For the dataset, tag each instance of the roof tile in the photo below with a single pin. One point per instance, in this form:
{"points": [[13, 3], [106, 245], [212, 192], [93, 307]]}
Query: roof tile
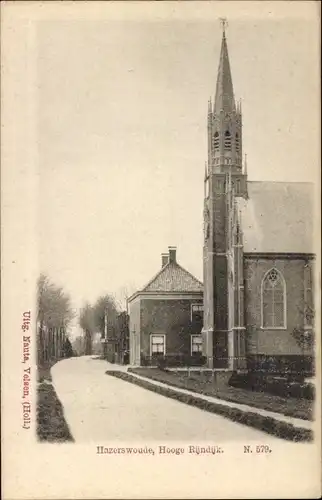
{"points": [[173, 278]]}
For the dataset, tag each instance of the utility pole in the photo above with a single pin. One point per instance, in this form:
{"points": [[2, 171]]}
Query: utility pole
{"points": [[105, 334], [134, 348]]}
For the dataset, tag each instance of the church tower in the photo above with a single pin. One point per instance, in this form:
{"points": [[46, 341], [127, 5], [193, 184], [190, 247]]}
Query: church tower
{"points": [[225, 179]]}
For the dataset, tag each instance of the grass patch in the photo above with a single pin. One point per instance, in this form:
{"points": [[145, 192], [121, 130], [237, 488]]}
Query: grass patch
{"points": [[266, 424], [43, 372], [51, 423], [204, 384]]}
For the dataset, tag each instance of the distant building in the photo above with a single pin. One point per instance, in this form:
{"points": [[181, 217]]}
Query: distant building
{"points": [[258, 251], [122, 346], [115, 348], [166, 316]]}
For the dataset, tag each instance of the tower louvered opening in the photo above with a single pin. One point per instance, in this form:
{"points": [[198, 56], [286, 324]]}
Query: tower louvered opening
{"points": [[216, 141], [237, 143]]}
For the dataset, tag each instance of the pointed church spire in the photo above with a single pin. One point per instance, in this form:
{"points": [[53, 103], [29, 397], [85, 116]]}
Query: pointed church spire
{"points": [[224, 99]]}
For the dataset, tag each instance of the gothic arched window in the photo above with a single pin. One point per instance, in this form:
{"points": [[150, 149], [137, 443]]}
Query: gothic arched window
{"points": [[273, 297], [216, 141], [237, 143], [227, 142]]}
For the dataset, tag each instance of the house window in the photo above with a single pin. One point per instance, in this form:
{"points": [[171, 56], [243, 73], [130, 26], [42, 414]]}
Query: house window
{"points": [[157, 344], [196, 344], [227, 142], [216, 141], [273, 300], [197, 312]]}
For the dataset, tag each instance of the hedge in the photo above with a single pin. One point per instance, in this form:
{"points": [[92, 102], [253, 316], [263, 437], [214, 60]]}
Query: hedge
{"points": [[267, 424], [173, 360], [279, 387]]}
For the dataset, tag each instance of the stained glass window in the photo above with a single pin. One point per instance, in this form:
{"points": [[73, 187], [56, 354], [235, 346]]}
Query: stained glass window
{"points": [[273, 300]]}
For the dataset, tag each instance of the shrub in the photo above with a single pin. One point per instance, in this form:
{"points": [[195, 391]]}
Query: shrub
{"points": [[161, 363], [282, 387], [173, 360]]}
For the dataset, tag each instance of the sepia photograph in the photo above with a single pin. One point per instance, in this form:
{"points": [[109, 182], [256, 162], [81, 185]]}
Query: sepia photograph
{"points": [[169, 259]]}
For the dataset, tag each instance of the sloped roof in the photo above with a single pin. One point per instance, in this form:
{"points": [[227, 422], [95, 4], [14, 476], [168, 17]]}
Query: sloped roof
{"points": [[173, 278], [277, 217]]}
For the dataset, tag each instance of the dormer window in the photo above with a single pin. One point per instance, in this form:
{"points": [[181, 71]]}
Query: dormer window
{"points": [[227, 142], [216, 141]]}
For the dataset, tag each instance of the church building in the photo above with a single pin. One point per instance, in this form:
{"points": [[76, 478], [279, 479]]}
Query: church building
{"points": [[258, 250]]}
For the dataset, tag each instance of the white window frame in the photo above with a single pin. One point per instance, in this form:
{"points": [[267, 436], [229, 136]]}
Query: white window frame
{"points": [[191, 309], [191, 342], [284, 327], [164, 342]]}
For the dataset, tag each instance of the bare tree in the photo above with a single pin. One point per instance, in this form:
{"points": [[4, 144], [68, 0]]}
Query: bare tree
{"points": [[88, 324], [79, 345], [54, 305], [106, 308], [125, 292], [54, 315]]}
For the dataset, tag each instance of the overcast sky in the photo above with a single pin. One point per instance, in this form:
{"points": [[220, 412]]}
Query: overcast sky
{"points": [[122, 107]]}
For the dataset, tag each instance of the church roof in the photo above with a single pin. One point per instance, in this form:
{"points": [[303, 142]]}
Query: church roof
{"points": [[277, 217], [224, 99], [173, 278]]}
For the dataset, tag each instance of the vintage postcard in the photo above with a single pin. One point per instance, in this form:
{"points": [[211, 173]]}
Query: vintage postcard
{"points": [[160, 255]]}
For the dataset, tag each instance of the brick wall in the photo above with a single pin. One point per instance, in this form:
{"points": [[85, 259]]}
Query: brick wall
{"points": [[221, 292], [172, 318], [274, 342]]}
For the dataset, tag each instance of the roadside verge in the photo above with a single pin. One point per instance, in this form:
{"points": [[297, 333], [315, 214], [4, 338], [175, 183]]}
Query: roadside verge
{"points": [[51, 424], [273, 426]]}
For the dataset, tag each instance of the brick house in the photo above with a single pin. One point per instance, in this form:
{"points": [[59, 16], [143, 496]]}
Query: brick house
{"points": [[166, 317], [258, 252]]}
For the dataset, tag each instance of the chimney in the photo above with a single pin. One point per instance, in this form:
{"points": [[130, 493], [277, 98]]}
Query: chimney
{"points": [[165, 259], [172, 255]]}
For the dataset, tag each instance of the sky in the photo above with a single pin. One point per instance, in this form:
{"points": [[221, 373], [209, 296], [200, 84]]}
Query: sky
{"points": [[122, 138]]}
